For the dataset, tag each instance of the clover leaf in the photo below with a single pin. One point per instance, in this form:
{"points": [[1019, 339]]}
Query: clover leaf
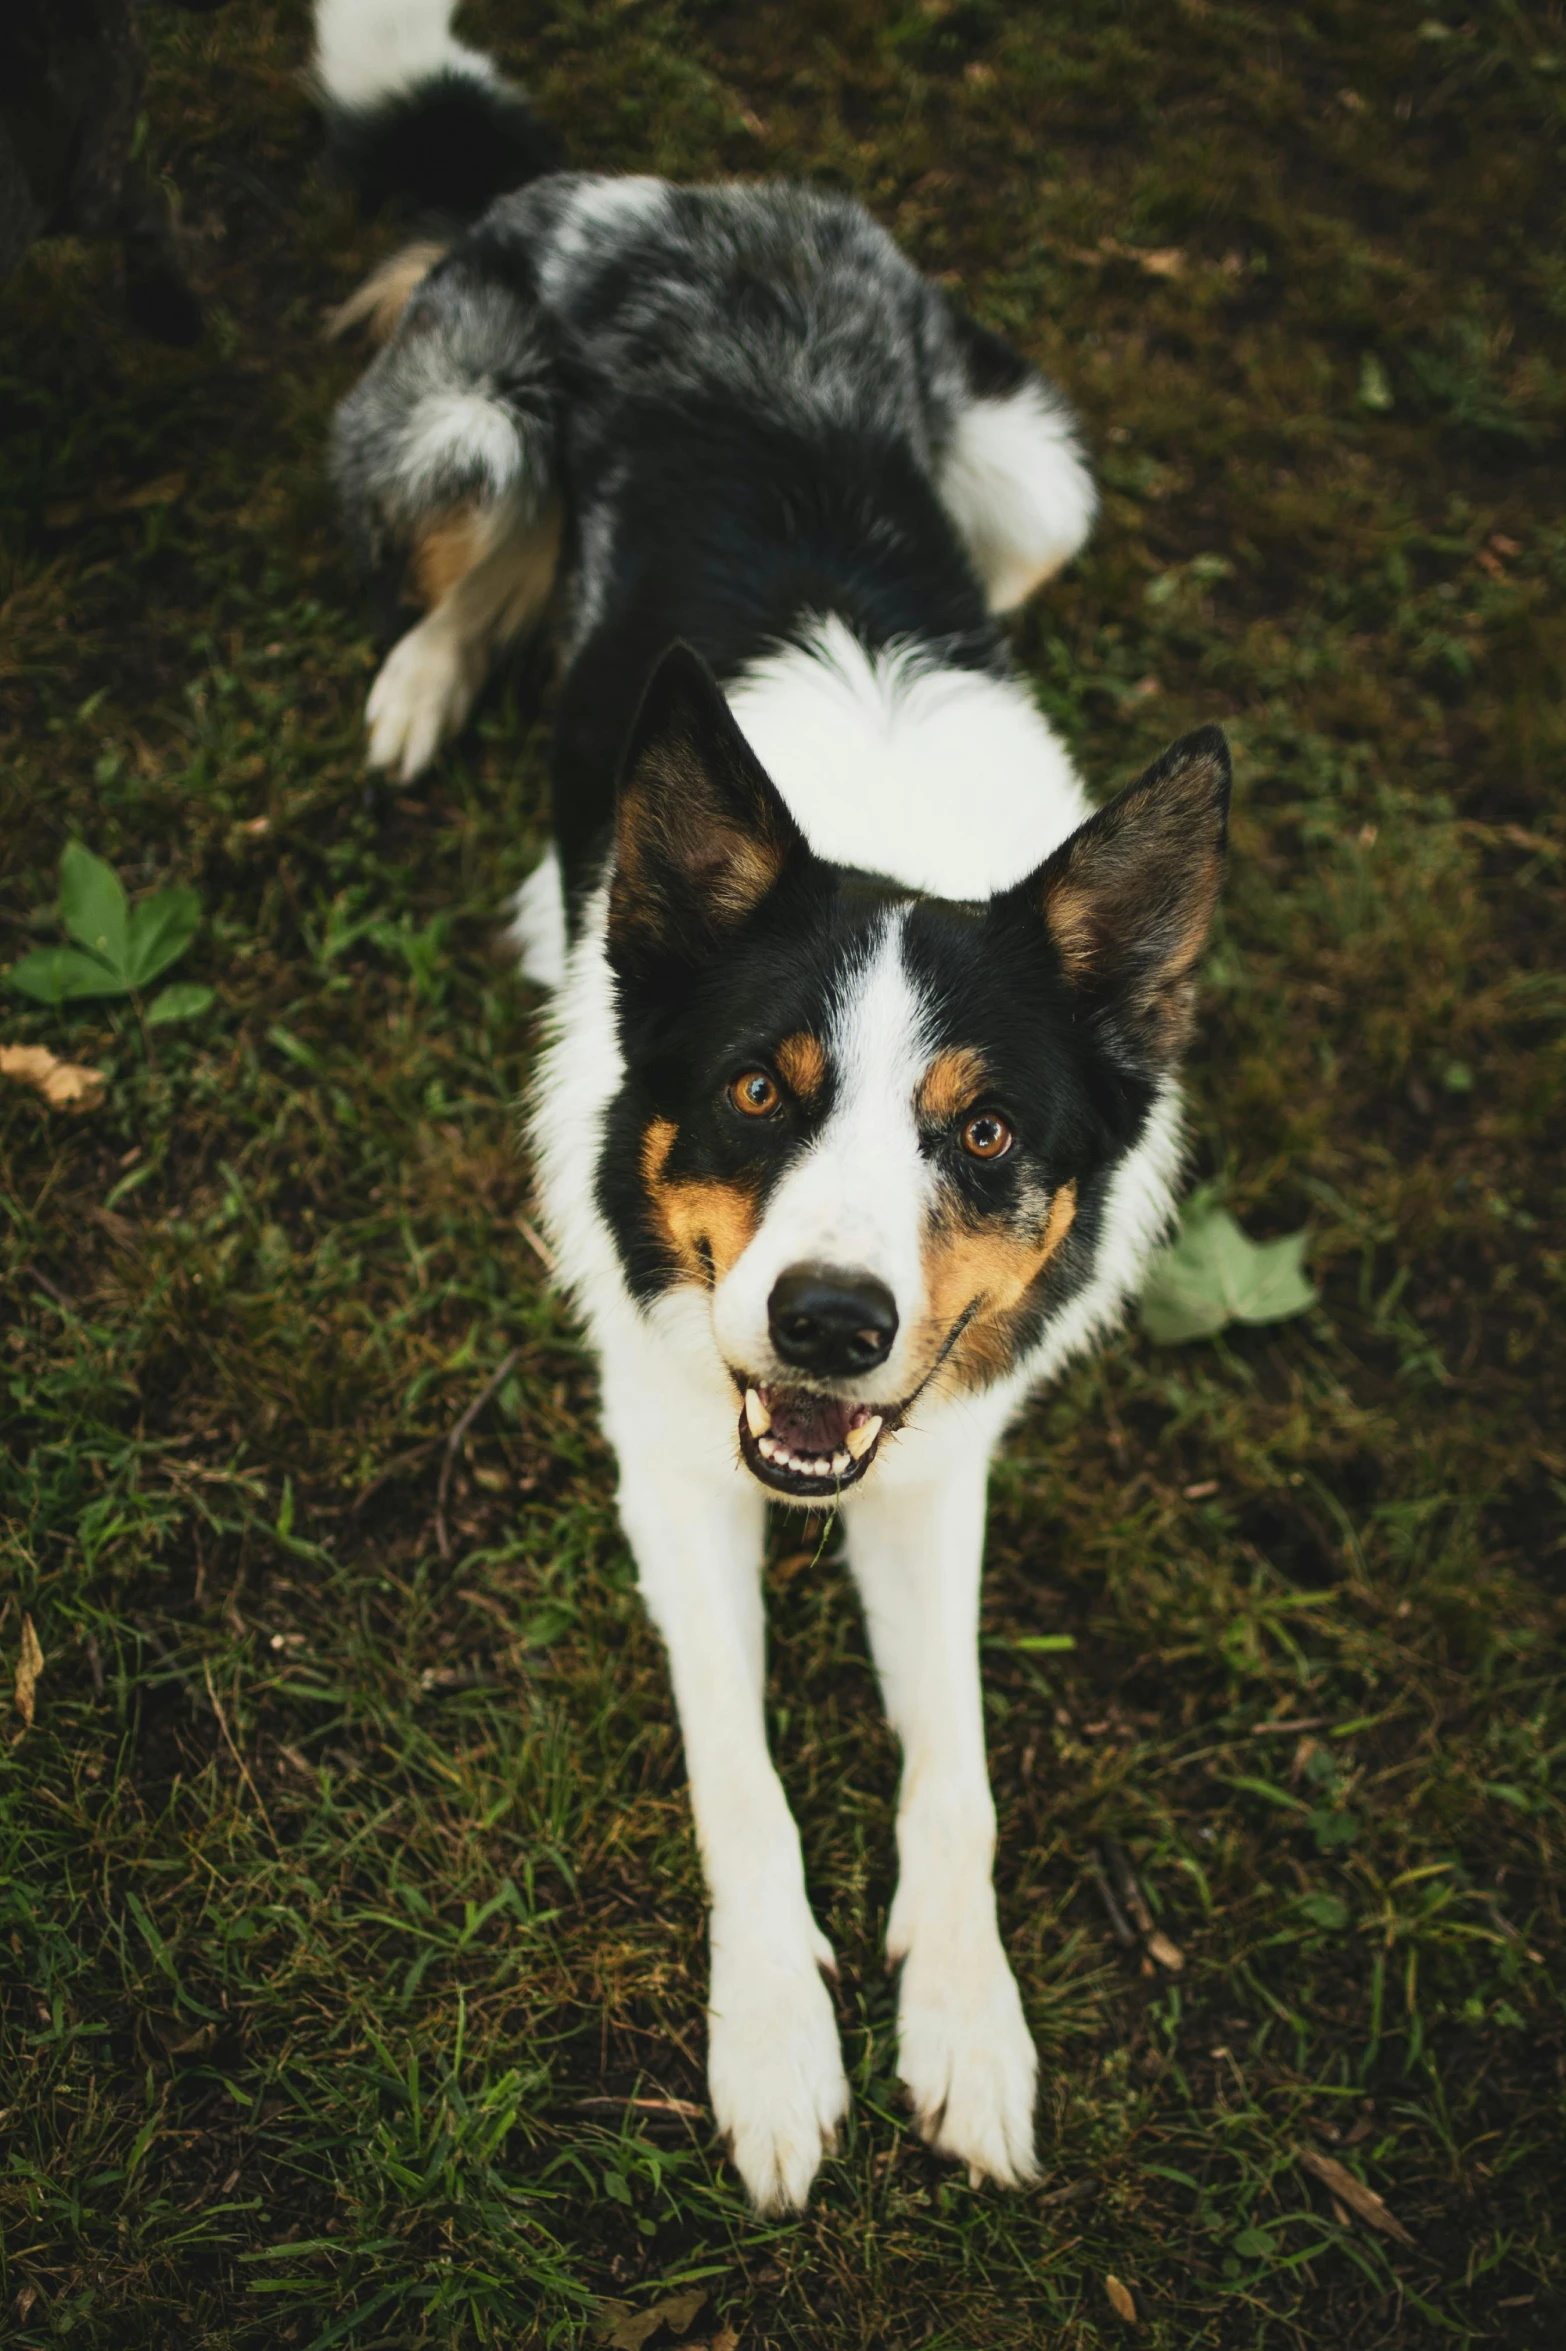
{"points": [[119, 948], [1212, 1275]]}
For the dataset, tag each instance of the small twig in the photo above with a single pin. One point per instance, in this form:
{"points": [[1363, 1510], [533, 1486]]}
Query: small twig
{"points": [[1079, 2192], [539, 1246], [51, 1289], [1125, 1933], [454, 1443], [1155, 1944], [1267, 1730], [680, 2109], [228, 1741], [1132, 1898], [382, 1477]]}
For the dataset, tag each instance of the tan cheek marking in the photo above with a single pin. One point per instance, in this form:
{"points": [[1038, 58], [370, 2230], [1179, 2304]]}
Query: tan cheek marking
{"points": [[803, 1064], [997, 1265], [953, 1080], [707, 1224]]}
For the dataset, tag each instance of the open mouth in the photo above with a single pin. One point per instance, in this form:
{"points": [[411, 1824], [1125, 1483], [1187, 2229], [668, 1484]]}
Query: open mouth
{"points": [[806, 1446]]}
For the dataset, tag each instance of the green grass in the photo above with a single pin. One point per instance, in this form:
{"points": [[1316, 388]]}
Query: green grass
{"points": [[338, 1877]]}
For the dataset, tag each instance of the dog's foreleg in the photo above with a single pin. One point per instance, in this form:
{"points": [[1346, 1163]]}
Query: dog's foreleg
{"points": [[774, 2066], [488, 572], [965, 2055]]}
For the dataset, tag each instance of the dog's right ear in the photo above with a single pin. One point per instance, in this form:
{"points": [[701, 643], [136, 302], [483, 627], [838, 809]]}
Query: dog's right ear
{"points": [[701, 832]]}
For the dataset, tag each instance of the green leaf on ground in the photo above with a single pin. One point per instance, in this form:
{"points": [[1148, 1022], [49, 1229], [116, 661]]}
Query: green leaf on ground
{"points": [[160, 931], [57, 975], [124, 949], [92, 905], [184, 1001], [1212, 1275]]}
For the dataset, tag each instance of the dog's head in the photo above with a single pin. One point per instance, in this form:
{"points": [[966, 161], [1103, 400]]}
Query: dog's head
{"points": [[876, 1128]]}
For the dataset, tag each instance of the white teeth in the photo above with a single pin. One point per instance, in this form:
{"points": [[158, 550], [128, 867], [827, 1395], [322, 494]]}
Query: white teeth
{"points": [[771, 1448], [860, 1440], [841, 1462], [758, 1419]]}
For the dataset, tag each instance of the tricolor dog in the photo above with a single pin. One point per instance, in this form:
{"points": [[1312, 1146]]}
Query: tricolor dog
{"points": [[859, 1111]]}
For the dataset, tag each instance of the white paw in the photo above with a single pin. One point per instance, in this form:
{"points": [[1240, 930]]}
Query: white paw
{"points": [[774, 2067], [424, 692], [965, 2055]]}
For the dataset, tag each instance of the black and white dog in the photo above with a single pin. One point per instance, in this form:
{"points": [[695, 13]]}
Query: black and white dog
{"points": [[859, 1112]]}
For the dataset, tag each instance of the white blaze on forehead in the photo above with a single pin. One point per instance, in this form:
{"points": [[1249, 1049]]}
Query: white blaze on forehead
{"points": [[858, 1195]]}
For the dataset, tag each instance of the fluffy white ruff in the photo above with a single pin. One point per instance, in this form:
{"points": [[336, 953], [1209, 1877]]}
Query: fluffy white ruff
{"points": [[948, 780], [1016, 487], [367, 51]]}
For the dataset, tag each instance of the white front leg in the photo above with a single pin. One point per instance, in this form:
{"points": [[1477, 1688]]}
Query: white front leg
{"points": [[696, 1524], [965, 2055]]}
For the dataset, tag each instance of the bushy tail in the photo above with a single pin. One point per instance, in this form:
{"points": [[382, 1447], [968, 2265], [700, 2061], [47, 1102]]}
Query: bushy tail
{"points": [[413, 113]]}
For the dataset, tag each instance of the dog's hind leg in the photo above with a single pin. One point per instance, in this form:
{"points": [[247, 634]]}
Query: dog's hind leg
{"points": [[964, 2052], [488, 572], [443, 455]]}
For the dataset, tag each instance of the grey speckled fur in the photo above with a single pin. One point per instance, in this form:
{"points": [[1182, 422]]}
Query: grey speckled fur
{"points": [[581, 300]]}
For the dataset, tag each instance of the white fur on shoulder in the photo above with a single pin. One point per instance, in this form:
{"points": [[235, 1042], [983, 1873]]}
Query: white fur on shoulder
{"points": [[367, 51], [948, 780], [1015, 485]]}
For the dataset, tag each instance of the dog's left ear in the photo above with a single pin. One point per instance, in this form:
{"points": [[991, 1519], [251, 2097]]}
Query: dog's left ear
{"points": [[1128, 899], [702, 835]]}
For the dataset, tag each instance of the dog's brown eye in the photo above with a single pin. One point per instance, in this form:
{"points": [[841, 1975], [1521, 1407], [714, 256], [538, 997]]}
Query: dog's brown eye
{"points": [[986, 1136], [755, 1094]]}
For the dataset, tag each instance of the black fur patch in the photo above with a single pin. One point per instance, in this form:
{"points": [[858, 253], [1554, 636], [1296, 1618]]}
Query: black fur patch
{"points": [[738, 532], [450, 147]]}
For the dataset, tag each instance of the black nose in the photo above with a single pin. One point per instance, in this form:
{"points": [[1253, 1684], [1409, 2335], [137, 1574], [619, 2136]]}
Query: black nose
{"points": [[832, 1323]]}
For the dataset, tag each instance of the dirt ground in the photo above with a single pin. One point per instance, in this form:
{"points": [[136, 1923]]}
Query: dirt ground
{"points": [[351, 1939]]}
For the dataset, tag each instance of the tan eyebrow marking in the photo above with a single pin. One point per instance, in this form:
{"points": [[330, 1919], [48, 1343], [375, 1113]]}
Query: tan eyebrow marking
{"points": [[803, 1064], [954, 1078]]}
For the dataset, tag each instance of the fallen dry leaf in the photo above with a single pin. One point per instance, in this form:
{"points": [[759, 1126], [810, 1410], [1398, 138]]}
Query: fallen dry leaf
{"points": [[66, 1085], [1120, 2297], [725, 2339], [1341, 2183], [625, 2329], [167, 490], [29, 1666], [1159, 261]]}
